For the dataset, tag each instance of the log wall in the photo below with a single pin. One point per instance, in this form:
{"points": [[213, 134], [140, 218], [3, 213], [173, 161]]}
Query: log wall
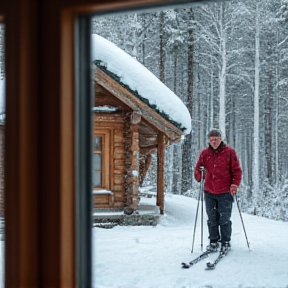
{"points": [[131, 140]]}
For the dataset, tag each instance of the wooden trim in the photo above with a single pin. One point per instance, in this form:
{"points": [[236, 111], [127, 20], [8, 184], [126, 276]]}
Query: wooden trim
{"points": [[88, 6], [107, 157], [21, 146], [148, 150], [67, 170]]}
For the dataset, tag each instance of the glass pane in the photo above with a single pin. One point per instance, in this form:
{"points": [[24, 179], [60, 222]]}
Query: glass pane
{"points": [[97, 161], [97, 178], [97, 143], [2, 137], [97, 167]]}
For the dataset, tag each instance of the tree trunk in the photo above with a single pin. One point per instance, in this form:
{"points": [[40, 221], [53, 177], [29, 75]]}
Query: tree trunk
{"points": [[268, 130], [162, 51], [176, 149], [222, 75], [255, 173], [187, 145]]}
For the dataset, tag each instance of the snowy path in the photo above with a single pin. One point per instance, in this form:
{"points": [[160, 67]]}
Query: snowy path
{"points": [[146, 257]]}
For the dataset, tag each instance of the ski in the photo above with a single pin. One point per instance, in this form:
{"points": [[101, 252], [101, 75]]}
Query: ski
{"points": [[222, 254], [196, 260]]}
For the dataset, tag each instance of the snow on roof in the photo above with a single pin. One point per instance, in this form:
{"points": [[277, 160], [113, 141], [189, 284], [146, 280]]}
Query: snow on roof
{"points": [[140, 80]]}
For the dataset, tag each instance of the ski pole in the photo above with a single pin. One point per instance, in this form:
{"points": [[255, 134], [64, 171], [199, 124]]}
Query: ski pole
{"points": [[201, 188], [242, 222], [196, 216]]}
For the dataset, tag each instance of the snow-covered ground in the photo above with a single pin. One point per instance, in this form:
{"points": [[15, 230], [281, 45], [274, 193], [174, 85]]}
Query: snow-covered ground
{"points": [[146, 257]]}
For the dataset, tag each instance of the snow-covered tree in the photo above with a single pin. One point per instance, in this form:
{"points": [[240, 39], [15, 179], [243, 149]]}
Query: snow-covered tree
{"points": [[228, 63]]}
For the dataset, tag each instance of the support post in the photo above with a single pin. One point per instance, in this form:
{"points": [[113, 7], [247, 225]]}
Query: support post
{"points": [[160, 172]]}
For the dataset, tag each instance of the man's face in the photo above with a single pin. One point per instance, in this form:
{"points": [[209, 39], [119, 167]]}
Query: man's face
{"points": [[215, 141]]}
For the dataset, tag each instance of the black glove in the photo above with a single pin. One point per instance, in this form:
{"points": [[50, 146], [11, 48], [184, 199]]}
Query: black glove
{"points": [[203, 172]]}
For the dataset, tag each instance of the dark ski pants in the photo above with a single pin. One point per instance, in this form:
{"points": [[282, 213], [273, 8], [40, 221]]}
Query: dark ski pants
{"points": [[219, 209]]}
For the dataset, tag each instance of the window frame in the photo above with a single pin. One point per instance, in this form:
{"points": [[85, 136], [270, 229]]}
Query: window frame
{"points": [[48, 223], [105, 134]]}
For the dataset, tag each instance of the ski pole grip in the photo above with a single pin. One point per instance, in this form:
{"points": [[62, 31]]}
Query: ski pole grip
{"points": [[202, 169]]}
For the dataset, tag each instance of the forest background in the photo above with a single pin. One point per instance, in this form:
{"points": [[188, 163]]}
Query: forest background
{"points": [[228, 62]]}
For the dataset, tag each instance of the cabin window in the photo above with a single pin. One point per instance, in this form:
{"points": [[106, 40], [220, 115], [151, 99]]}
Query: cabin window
{"points": [[101, 158]]}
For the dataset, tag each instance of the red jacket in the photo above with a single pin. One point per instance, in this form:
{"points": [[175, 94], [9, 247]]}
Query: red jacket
{"points": [[222, 168]]}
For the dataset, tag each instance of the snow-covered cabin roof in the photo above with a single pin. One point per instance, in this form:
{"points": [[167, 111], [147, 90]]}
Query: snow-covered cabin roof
{"points": [[144, 84]]}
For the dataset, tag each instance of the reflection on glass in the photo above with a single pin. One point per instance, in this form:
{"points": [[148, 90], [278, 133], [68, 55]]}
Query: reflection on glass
{"points": [[97, 178], [97, 143], [97, 160]]}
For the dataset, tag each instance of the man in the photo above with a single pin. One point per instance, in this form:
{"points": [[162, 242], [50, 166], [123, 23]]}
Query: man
{"points": [[223, 174]]}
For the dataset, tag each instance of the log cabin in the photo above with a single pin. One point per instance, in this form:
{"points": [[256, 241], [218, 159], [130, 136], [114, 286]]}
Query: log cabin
{"points": [[128, 129]]}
